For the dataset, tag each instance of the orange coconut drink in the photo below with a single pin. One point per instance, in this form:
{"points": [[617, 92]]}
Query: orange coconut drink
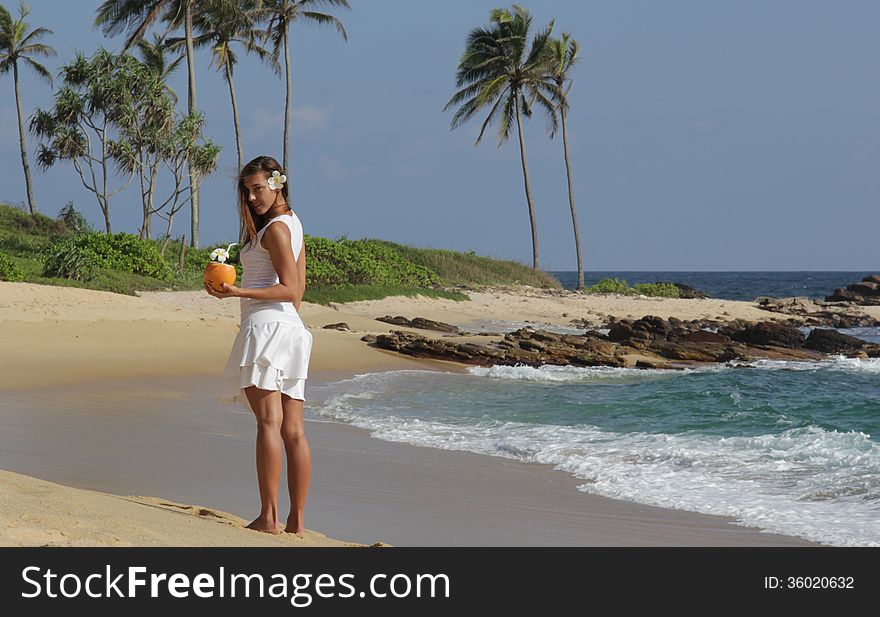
{"points": [[218, 271]]}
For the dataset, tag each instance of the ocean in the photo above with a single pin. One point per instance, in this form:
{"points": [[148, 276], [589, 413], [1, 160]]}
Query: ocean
{"points": [[791, 447], [733, 285]]}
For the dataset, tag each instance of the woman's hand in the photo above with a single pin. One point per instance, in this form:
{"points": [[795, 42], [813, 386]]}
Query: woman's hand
{"points": [[229, 291]]}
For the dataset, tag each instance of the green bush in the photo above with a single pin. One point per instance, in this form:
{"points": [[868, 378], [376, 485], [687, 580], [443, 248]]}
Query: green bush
{"points": [[470, 269], [9, 271], [65, 259], [73, 219], [665, 290], [362, 262], [13, 220], [122, 251], [610, 286]]}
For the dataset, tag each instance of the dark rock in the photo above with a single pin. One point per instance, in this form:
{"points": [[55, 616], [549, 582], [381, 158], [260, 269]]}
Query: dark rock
{"points": [[646, 364], [620, 331], [397, 321], [369, 338], [698, 352], [337, 326], [532, 345], [647, 342], [866, 292], [842, 295], [832, 341], [863, 289], [769, 333], [810, 312], [429, 324], [704, 336], [420, 323]]}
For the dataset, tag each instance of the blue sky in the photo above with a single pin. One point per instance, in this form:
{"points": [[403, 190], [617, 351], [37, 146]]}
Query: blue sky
{"points": [[704, 135]]}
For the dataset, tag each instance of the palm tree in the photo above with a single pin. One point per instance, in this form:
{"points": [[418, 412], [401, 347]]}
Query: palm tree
{"points": [[136, 17], [220, 26], [496, 71], [564, 54], [17, 44], [280, 14], [153, 56]]}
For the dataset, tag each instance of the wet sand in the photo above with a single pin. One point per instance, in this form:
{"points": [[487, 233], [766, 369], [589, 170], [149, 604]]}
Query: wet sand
{"points": [[167, 436]]}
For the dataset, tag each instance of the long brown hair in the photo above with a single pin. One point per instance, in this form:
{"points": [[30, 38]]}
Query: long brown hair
{"points": [[250, 224]]}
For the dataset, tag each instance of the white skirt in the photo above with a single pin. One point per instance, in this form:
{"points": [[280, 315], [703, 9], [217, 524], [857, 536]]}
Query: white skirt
{"points": [[271, 351]]}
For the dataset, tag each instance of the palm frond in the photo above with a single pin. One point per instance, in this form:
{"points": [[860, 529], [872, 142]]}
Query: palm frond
{"points": [[326, 20], [507, 119], [549, 107], [490, 119], [35, 34], [38, 68]]}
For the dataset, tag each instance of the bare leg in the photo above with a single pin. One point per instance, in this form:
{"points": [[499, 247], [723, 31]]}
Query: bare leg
{"points": [[299, 462], [266, 405]]}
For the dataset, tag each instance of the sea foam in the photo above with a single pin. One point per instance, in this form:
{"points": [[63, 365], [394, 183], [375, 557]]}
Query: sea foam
{"points": [[807, 481]]}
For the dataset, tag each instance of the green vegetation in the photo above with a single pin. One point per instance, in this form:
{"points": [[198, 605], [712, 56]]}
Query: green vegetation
{"points": [[67, 252], [9, 271], [362, 262], [469, 269], [666, 290], [610, 286], [77, 255], [322, 294], [620, 286]]}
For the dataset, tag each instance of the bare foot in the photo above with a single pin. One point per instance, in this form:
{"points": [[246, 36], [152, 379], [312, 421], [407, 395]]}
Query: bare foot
{"points": [[295, 527], [261, 524]]}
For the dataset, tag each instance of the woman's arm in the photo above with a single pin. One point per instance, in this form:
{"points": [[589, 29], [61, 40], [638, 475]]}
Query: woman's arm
{"points": [[301, 271], [276, 240]]}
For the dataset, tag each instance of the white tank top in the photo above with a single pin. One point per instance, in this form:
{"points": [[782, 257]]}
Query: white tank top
{"points": [[258, 271]]}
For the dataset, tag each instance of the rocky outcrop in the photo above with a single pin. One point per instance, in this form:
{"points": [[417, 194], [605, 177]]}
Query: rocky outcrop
{"points": [[866, 292], [649, 342], [818, 313], [766, 333], [832, 341], [420, 323], [337, 326]]}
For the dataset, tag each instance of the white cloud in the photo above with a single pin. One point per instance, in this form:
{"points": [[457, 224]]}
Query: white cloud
{"points": [[262, 123], [310, 118]]}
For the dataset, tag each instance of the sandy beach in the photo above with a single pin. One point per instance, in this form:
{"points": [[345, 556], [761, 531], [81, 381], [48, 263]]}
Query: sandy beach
{"points": [[95, 381]]}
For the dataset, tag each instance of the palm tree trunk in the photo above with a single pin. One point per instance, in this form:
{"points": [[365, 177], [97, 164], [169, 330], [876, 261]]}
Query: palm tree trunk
{"points": [[234, 114], [525, 167], [287, 103], [24, 159], [193, 176], [574, 220]]}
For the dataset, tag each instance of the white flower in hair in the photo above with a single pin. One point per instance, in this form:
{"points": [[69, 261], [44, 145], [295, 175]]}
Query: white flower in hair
{"points": [[277, 180]]}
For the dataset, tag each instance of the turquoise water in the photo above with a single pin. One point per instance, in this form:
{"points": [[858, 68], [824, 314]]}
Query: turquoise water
{"points": [[791, 447]]}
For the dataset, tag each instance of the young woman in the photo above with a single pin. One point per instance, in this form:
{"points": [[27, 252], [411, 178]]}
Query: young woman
{"points": [[268, 364]]}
